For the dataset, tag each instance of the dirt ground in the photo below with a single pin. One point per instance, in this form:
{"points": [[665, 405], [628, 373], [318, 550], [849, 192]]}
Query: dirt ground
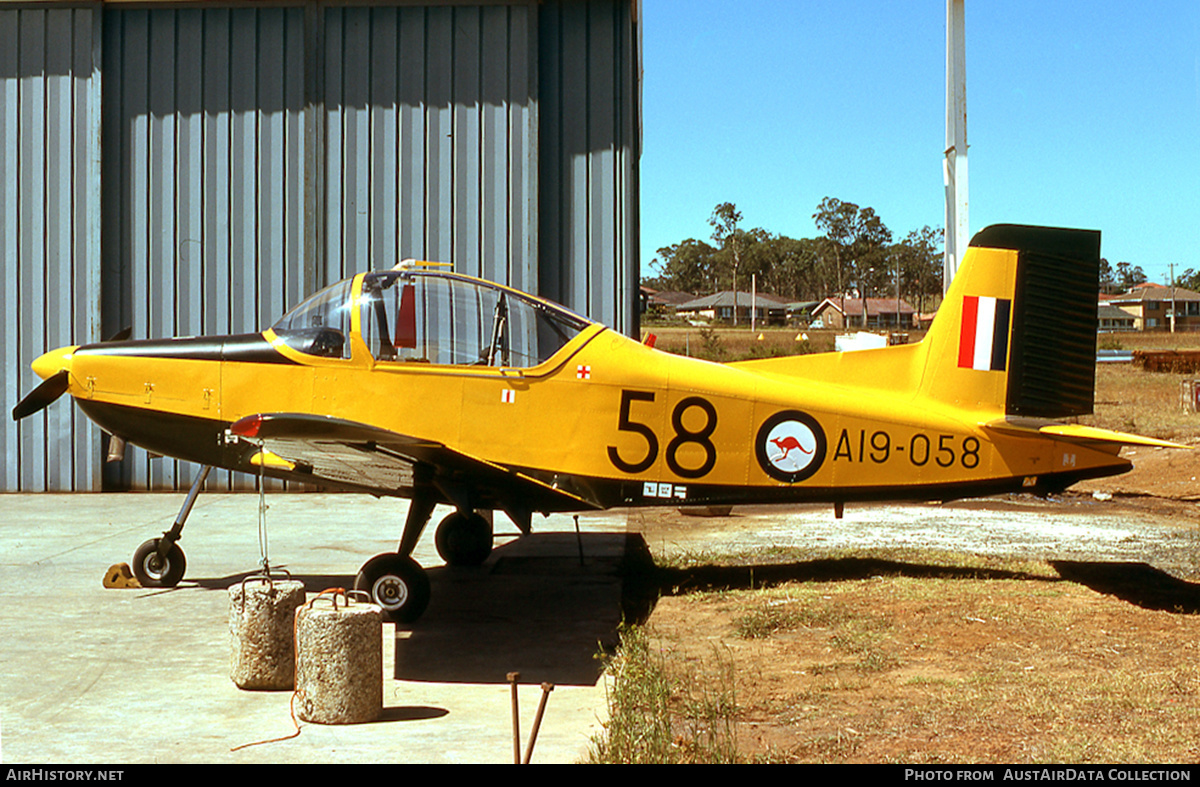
{"points": [[922, 655]]}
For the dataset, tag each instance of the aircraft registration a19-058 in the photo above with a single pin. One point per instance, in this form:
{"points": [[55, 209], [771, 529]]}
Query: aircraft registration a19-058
{"points": [[446, 389]]}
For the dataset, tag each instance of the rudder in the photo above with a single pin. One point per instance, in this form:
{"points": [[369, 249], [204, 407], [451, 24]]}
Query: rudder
{"points": [[1017, 331]]}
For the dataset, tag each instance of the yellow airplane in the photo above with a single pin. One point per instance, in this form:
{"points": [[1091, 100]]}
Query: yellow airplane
{"points": [[443, 388]]}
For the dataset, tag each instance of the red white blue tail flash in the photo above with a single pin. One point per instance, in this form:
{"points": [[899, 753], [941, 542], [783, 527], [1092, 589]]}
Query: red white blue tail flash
{"points": [[983, 343]]}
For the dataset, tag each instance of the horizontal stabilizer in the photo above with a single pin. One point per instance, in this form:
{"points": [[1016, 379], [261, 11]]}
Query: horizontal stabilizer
{"points": [[1074, 433]]}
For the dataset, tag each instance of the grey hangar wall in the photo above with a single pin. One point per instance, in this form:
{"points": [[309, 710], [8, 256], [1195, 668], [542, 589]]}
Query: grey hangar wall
{"points": [[200, 168]]}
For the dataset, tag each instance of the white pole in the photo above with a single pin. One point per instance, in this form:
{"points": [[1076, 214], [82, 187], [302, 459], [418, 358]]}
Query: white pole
{"points": [[955, 163], [753, 299]]}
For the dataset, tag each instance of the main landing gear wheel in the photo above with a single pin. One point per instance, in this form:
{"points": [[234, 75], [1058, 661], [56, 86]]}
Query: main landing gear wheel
{"points": [[397, 584], [155, 572], [464, 539]]}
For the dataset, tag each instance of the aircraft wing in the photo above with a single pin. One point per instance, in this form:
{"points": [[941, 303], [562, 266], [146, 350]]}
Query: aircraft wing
{"points": [[322, 449], [1074, 433]]}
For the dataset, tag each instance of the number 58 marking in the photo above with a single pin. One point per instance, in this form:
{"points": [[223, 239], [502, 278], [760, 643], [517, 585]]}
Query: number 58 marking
{"points": [[682, 436]]}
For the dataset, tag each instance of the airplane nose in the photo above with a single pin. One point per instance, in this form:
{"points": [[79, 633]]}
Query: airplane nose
{"points": [[49, 364], [54, 368]]}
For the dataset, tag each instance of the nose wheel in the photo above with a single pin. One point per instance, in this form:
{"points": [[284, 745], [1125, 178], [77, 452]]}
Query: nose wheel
{"points": [[155, 571], [397, 584], [159, 563]]}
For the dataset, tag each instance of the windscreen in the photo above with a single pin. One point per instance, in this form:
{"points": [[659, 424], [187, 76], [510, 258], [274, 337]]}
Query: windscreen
{"points": [[321, 324]]}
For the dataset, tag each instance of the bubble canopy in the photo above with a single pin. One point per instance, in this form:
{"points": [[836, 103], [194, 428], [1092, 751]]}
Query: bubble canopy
{"points": [[416, 316]]}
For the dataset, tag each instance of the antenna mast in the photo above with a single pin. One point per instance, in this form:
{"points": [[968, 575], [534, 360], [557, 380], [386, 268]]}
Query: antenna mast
{"points": [[955, 164]]}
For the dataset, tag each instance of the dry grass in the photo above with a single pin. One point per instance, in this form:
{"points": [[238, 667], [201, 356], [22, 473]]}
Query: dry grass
{"points": [[735, 344], [921, 670], [1156, 340], [684, 713], [1131, 400]]}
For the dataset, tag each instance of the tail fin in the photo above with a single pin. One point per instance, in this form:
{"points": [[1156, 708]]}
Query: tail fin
{"points": [[1017, 331]]}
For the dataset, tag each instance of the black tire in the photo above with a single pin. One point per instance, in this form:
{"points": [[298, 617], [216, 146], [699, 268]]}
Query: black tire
{"points": [[464, 540], [397, 584], [154, 573]]}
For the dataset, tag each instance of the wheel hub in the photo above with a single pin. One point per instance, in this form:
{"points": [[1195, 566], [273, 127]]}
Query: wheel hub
{"points": [[390, 592], [154, 566]]}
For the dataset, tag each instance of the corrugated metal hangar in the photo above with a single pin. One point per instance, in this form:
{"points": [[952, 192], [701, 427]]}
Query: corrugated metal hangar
{"points": [[199, 168]]}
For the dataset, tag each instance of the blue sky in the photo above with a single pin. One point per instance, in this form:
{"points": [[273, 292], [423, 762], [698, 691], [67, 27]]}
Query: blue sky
{"points": [[1080, 114]]}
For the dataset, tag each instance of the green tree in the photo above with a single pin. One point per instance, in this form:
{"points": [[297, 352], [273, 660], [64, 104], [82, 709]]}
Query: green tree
{"points": [[787, 267], [1108, 281], [1129, 275], [855, 250], [919, 259], [1188, 280], [688, 266], [856, 242], [731, 240]]}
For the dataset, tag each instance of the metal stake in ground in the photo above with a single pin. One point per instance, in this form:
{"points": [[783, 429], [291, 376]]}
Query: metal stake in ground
{"points": [[578, 539], [537, 721], [513, 677]]}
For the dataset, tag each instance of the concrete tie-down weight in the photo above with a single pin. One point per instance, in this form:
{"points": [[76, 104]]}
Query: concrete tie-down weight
{"points": [[261, 629], [339, 660]]}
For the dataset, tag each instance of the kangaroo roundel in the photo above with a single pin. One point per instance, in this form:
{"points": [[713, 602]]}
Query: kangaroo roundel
{"points": [[790, 446]]}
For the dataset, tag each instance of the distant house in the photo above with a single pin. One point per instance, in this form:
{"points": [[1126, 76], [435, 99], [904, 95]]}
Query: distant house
{"points": [[662, 302], [800, 312], [1154, 307], [720, 306], [1110, 318], [880, 313]]}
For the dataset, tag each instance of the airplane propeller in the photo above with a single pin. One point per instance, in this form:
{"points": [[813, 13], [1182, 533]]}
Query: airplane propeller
{"points": [[56, 385], [41, 397]]}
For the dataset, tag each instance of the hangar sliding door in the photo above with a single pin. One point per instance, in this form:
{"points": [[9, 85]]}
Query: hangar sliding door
{"points": [[589, 144], [430, 139], [204, 181]]}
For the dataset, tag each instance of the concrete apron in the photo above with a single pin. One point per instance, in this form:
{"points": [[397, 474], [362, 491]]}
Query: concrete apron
{"points": [[96, 675]]}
